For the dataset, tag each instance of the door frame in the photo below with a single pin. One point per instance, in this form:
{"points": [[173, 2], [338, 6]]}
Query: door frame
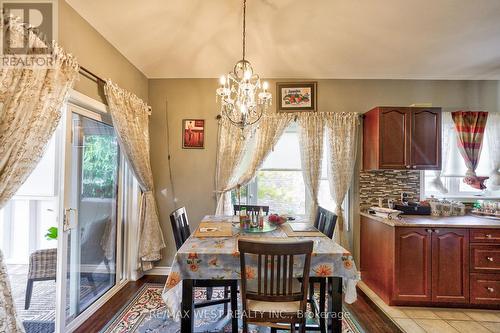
{"points": [[90, 108]]}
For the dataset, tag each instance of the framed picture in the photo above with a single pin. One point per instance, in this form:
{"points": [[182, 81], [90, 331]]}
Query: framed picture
{"points": [[193, 133], [296, 96]]}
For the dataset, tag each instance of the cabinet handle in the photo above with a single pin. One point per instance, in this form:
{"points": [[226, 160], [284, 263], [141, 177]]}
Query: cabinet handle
{"points": [[407, 166], [436, 231], [490, 259], [487, 235], [428, 231], [414, 167], [490, 289]]}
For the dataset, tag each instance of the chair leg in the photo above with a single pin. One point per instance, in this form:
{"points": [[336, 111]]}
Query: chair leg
{"points": [[311, 297], [292, 328], [226, 294], [322, 310], [303, 327], [274, 330], [234, 306], [210, 291], [29, 291]]}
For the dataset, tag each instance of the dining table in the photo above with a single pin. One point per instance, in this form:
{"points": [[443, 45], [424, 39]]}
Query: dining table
{"points": [[217, 258]]}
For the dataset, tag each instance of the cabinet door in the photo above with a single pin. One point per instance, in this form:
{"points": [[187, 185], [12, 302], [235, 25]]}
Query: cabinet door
{"points": [[412, 265], [450, 265], [425, 147], [394, 138]]}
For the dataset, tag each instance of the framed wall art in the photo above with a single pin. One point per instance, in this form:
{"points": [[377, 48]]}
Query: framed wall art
{"points": [[193, 133], [296, 96]]}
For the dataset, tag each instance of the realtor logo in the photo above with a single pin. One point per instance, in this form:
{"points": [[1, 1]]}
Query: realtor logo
{"points": [[36, 19]]}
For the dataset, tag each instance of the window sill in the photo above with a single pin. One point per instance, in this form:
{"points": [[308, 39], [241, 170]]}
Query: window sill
{"points": [[465, 198]]}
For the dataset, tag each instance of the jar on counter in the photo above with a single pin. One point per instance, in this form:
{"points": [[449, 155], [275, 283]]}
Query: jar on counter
{"points": [[446, 209], [435, 206]]}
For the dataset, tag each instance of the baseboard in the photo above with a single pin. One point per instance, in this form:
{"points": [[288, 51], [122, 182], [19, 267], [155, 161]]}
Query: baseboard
{"points": [[158, 270]]}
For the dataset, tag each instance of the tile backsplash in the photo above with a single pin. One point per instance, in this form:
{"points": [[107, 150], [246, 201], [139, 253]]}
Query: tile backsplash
{"points": [[387, 184]]}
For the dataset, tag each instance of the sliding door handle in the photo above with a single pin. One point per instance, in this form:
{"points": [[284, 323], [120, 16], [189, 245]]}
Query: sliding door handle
{"points": [[67, 218]]}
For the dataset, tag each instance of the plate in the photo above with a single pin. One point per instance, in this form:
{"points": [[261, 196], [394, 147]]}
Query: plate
{"points": [[267, 228]]}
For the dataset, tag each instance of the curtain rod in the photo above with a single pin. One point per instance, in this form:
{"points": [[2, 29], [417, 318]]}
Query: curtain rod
{"points": [[88, 74], [97, 79]]}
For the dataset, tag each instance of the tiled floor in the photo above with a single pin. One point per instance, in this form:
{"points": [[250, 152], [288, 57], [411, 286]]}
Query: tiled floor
{"points": [[438, 320]]}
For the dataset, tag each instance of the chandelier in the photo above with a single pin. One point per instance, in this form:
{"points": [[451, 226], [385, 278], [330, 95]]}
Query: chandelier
{"points": [[243, 98]]}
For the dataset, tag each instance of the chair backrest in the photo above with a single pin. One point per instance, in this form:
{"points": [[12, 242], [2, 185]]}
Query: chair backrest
{"points": [[180, 226], [251, 208], [274, 276], [325, 221]]}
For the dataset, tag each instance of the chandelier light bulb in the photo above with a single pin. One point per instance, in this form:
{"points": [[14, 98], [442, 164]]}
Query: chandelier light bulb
{"points": [[222, 80], [265, 85], [248, 75]]}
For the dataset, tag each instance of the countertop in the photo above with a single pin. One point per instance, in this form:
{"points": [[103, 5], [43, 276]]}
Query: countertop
{"points": [[466, 221]]}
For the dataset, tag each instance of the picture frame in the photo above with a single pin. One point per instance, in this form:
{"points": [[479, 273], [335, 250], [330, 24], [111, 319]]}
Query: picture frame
{"points": [[296, 96], [193, 133]]}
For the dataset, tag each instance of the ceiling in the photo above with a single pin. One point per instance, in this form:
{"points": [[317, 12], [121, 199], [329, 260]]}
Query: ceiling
{"points": [[356, 39]]}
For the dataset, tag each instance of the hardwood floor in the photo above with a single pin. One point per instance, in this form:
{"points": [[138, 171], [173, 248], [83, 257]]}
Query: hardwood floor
{"points": [[369, 316], [364, 311], [99, 319]]}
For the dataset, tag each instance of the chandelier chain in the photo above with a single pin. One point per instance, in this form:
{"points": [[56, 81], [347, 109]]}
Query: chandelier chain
{"points": [[244, 27]]}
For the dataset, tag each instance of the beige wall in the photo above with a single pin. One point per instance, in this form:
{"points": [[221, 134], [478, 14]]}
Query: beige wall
{"points": [[193, 170], [96, 54]]}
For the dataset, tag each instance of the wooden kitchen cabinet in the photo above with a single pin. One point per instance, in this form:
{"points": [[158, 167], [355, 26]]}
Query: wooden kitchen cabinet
{"points": [[450, 265], [412, 265], [402, 138], [432, 264]]}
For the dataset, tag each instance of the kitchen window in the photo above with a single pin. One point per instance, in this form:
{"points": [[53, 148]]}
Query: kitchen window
{"points": [[454, 169]]}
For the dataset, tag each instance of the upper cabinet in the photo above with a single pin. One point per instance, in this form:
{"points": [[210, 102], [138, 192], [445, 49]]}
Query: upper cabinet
{"points": [[402, 138]]}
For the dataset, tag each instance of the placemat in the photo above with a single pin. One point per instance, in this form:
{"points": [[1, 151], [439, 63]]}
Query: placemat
{"points": [[290, 233], [224, 229]]}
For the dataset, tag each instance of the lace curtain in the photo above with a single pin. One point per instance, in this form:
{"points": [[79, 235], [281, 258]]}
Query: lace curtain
{"points": [[230, 147], [311, 130], [342, 147], [256, 147], [493, 133], [31, 98], [130, 119]]}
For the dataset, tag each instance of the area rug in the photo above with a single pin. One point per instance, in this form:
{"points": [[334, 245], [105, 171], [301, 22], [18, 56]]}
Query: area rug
{"points": [[145, 313]]}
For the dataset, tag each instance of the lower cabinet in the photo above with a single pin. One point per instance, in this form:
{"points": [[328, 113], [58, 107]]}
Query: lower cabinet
{"points": [[485, 288], [431, 264], [412, 265], [450, 265]]}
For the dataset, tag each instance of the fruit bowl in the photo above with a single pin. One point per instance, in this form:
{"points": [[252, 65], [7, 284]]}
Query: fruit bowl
{"points": [[277, 219]]}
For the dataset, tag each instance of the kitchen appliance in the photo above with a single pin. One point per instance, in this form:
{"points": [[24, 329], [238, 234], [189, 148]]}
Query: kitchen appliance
{"points": [[413, 208], [385, 213]]}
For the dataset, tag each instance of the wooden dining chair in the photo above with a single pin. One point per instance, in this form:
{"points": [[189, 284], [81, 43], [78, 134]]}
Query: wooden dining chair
{"points": [[251, 208], [181, 230], [272, 296], [325, 222]]}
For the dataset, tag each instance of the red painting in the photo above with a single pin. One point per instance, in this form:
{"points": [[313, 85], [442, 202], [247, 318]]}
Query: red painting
{"points": [[193, 133]]}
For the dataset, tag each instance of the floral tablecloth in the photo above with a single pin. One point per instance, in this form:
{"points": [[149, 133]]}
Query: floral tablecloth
{"points": [[218, 258]]}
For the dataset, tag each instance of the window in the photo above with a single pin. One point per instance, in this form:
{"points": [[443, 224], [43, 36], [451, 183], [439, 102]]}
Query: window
{"points": [[454, 168], [26, 218], [279, 183]]}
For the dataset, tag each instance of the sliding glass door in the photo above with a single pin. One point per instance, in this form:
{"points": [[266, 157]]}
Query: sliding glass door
{"points": [[88, 246]]}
